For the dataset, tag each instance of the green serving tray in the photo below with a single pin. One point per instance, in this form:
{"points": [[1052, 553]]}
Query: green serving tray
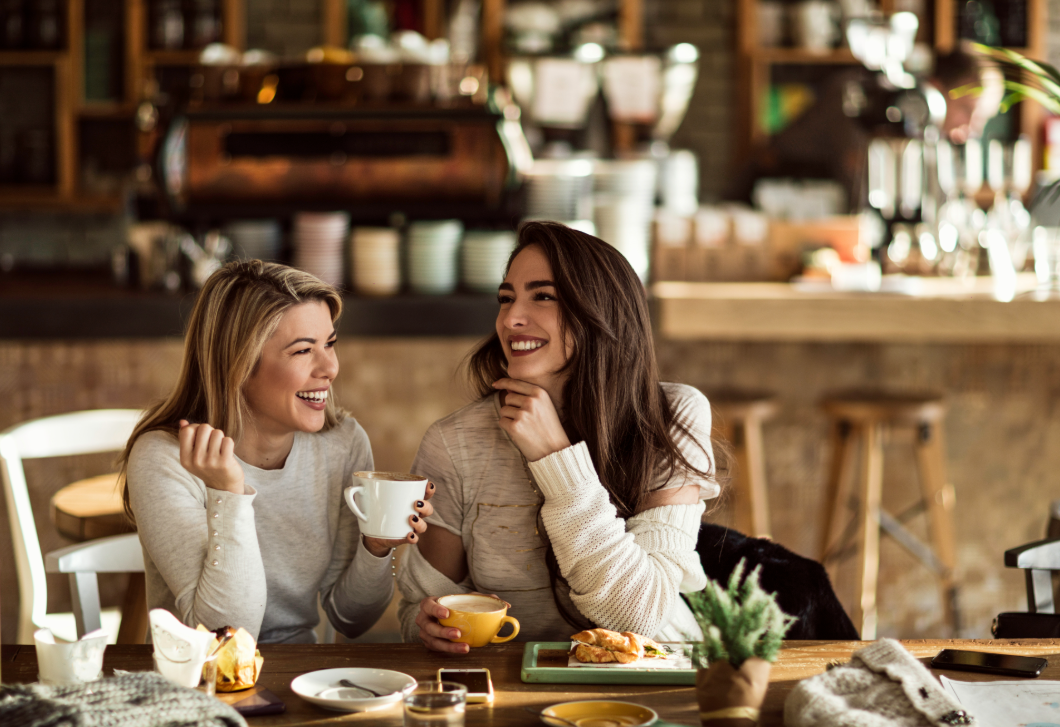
{"points": [[532, 673]]}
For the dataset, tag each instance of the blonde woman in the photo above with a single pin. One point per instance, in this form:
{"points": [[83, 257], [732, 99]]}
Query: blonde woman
{"points": [[235, 480]]}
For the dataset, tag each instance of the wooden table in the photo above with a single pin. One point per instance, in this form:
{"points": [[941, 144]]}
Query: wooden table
{"points": [[798, 660], [90, 509]]}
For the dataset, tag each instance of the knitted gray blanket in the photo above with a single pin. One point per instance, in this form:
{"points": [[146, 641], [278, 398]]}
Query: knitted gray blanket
{"points": [[132, 700]]}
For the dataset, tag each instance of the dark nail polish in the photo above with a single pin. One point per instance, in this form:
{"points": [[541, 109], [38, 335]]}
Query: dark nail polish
{"points": [[419, 503], [432, 485], [415, 518]]}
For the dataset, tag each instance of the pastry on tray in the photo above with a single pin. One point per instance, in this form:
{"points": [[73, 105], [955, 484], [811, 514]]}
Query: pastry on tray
{"points": [[601, 646], [238, 662]]}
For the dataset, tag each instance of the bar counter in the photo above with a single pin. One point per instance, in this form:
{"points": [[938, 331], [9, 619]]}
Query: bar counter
{"points": [[944, 310]]}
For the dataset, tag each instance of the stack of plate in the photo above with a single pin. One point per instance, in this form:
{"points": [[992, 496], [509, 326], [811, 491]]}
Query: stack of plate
{"points": [[623, 205], [559, 189], [485, 255], [255, 239], [318, 239], [375, 260], [433, 247]]}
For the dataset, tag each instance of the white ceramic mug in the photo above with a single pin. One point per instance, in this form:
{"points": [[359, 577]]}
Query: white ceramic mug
{"points": [[383, 502]]}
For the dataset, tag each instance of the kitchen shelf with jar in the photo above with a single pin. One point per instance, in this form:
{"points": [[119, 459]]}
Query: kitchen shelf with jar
{"points": [[938, 28]]}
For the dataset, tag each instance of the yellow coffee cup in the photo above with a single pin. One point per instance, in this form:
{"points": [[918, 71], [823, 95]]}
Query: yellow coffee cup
{"points": [[479, 618]]}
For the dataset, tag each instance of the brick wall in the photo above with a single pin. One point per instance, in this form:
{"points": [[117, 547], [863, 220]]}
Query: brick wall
{"points": [[710, 25]]}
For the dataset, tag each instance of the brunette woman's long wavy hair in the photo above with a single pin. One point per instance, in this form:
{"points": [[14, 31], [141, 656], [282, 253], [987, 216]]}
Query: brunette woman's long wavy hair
{"points": [[237, 311], [612, 398]]}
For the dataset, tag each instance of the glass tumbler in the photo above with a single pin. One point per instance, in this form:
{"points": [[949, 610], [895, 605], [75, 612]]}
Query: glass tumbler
{"points": [[1047, 262], [208, 681], [436, 704]]}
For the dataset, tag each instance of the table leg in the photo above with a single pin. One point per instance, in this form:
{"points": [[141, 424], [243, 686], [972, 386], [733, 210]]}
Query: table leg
{"points": [[133, 629]]}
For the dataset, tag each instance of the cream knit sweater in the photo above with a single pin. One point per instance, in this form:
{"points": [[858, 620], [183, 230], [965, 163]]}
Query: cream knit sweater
{"points": [[624, 575]]}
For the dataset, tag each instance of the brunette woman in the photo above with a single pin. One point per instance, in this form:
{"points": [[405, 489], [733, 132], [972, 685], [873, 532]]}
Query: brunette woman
{"points": [[235, 480], [573, 488]]}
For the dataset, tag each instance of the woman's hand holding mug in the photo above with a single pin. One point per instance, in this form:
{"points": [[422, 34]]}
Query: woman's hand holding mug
{"points": [[209, 455], [379, 547], [480, 617]]}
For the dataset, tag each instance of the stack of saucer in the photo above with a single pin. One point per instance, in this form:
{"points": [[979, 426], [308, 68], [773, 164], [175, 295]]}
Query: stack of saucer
{"points": [[433, 247], [375, 260], [484, 257], [318, 239], [623, 205], [255, 239], [559, 189]]}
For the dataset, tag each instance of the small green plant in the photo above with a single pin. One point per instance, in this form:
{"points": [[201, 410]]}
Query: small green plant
{"points": [[1025, 78], [737, 622]]}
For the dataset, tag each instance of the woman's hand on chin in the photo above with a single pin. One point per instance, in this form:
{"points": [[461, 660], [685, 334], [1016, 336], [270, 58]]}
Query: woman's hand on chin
{"points": [[209, 455], [531, 420], [380, 547]]}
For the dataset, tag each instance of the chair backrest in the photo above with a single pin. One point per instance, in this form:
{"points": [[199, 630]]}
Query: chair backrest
{"points": [[1037, 560], [84, 432]]}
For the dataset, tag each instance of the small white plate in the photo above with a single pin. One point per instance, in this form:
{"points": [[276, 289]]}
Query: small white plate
{"points": [[322, 688]]}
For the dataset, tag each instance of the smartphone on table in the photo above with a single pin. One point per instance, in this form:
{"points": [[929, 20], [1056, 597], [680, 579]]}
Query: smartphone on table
{"points": [[478, 683], [1011, 665]]}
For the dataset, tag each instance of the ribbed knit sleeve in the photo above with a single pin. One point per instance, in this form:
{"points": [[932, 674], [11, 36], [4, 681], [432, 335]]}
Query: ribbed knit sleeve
{"points": [[203, 541], [624, 575]]}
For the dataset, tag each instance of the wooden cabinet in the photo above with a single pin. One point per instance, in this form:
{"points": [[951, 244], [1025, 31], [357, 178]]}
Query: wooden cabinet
{"points": [[756, 65]]}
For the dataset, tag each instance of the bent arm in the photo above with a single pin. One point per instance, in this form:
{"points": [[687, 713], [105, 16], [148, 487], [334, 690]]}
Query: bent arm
{"points": [[203, 541], [355, 601], [624, 575], [422, 576]]}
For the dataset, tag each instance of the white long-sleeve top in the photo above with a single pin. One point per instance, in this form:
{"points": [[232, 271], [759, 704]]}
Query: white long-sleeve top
{"points": [[624, 575], [259, 560]]}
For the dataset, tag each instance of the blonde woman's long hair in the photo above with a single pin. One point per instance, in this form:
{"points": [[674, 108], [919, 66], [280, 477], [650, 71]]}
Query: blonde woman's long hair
{"points": [[237, 311]]}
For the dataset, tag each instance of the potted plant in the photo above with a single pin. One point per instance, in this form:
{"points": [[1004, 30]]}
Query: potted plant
{"points": [[742, 629]]}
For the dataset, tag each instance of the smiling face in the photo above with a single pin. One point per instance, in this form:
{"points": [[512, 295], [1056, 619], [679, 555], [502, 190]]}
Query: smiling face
{"points": [[288, 390], [529, 323]]}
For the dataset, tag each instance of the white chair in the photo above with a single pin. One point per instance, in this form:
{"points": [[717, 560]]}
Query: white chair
{"points": [[85, 432]]}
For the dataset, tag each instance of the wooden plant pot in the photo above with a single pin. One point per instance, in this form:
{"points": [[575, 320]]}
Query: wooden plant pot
{"points": [[730, 697]]}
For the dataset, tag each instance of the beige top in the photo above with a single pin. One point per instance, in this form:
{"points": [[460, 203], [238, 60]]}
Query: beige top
{"points": [[624, 574]]}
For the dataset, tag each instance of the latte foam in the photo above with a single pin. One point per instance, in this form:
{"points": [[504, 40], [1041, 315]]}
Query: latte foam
{"points": [[472, 604]]}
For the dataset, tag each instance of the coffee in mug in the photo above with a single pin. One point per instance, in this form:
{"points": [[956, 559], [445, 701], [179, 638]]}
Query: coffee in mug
{"points": [[479, 618], [383, 502]]}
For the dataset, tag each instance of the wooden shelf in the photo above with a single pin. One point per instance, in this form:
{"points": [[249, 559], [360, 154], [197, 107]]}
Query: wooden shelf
{"points": [[172, 57], [106, 110], [792, 56], [31, 57], [755, 65], [17, 197]]}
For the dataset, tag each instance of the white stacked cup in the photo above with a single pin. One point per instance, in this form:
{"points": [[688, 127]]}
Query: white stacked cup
{"points": [[679, 182], [375, 260], [255, 239], [559, 189], [319, 239], [624, 202], [484, 257], [433, 248]]}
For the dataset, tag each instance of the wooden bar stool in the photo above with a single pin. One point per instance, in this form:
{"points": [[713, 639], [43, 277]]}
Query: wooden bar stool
{"points": [[862, 421], [739, 420]]}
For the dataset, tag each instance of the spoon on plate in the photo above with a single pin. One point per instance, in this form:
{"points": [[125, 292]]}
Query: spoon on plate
{"points": [[351, 685], [540, 714]]}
